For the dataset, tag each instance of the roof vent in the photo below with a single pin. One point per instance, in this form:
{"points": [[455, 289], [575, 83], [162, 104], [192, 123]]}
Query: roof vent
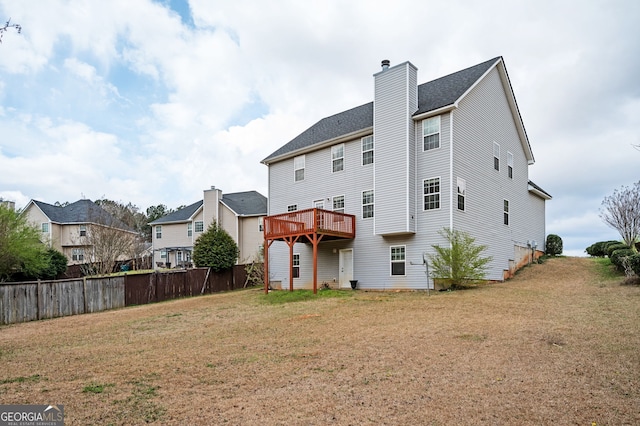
{"points": [[385, 64]]}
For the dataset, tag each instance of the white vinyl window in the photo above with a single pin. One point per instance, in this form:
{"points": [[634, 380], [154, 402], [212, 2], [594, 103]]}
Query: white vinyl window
{"points": [[189, 229], [296, 265], [158, 232], [367, 150], [338, 203], [510, 164], [431, 193], [261, 224], [496, 156], [45, 227], [367, 204], [298, 168], [77, 254], [506, 212], [398, 260], [199, 226], [163, 254], [431, 133], [462, 193], [83, 230], [337, 158]]}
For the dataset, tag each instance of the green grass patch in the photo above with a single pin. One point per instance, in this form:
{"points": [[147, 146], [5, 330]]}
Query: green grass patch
{"points": [[606, 269], [21, 379], [284, 296], [96, 388]]}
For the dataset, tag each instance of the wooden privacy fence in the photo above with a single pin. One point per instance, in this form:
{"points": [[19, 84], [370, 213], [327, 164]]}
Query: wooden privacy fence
{"points": [[29, 301], [22, 302]]}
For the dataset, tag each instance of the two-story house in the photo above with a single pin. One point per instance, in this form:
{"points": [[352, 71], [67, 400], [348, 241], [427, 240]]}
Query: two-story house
{"points": [[241, 214], [68, 228], [364, 193]]}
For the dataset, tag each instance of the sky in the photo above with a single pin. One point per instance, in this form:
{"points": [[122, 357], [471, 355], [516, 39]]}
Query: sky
{"points": [[151, 102]]}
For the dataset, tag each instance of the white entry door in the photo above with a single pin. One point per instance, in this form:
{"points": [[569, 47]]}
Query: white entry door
{"points": [[345, 263]]}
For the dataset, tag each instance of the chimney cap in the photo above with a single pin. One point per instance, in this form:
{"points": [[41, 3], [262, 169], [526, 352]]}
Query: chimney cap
{"points": [[385, 64]]}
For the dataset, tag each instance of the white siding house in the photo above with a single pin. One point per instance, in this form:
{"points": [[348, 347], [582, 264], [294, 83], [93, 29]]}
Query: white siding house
{"points": [[449, 153], [238, 213]]}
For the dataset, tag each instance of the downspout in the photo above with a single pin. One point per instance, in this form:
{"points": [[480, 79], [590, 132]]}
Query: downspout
{"points": [[451, 170]]}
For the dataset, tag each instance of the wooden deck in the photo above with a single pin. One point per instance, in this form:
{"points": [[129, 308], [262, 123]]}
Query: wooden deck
{"points": [[331, 225], [308, 226]]}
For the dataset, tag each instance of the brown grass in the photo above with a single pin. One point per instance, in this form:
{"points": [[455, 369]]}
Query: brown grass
{"points": [[557, 344]]}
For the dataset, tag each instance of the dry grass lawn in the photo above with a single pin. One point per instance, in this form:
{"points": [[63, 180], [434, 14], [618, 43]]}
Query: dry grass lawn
{"points": [[558, 344]]}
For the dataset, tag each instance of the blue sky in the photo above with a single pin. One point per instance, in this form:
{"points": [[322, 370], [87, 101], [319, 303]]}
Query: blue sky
{"points": [[151, 102]]}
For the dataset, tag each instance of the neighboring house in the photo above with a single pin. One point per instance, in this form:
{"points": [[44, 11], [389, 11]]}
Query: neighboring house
{"points": [[66, 228], [241, 214], [450, 153], [11, 205]]}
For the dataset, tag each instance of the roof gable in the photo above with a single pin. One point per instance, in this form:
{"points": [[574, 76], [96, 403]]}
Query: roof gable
{"points": [[447, 90]]}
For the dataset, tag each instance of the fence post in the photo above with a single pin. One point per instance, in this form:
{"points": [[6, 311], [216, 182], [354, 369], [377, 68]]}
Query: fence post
{"points": [[38, 299], [84, 294]]}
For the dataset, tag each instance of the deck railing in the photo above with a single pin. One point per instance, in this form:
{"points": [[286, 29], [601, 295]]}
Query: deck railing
{"points": [[302, 222]]}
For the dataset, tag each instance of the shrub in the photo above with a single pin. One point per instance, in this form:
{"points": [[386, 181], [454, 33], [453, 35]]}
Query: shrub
{"points": [[599, 249], [618, 255], [216, 249], [461, 262], [613, 247], [634, 263], [553, 245]]}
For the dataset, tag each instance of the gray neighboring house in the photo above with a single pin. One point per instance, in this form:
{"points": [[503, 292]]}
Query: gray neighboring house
{"points": [[449, 153], [241, 214]]}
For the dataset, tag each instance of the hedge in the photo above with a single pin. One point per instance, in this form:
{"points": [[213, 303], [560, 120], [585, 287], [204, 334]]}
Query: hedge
{"points": [[613, 247], [599, 249], [618, 255]]}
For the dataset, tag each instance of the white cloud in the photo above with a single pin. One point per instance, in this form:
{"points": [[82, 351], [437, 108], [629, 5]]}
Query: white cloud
{"points": [[119, 99]]}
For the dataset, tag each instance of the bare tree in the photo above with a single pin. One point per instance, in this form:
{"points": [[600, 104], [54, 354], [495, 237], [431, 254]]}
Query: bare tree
{"points": [[621, 211], [107, 241], [8, 25]]}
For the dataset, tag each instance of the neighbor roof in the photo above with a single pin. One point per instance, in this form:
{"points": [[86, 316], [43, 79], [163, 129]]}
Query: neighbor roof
{"points": [[248, 203], [432, 95], [82, 211], [182, 215]]}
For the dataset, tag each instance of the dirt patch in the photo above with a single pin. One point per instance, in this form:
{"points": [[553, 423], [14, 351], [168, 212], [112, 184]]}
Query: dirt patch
{"points": [[557, 344]]}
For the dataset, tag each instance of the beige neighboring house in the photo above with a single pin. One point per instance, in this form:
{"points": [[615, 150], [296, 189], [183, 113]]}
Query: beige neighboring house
{"points": [[65, 228], [241, 214]]}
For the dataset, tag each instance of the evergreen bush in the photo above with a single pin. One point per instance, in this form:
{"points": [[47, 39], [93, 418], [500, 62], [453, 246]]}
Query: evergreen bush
{"points": [[613, 247], [634, 262], [618, 255], [553, 245], [215, 249], [599, 249]]}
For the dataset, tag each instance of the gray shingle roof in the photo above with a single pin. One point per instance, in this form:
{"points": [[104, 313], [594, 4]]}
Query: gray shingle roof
{"points": [[181, 215], [447, 90], [343, 123], [82, 211], [432, 95], [248, 203]]}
